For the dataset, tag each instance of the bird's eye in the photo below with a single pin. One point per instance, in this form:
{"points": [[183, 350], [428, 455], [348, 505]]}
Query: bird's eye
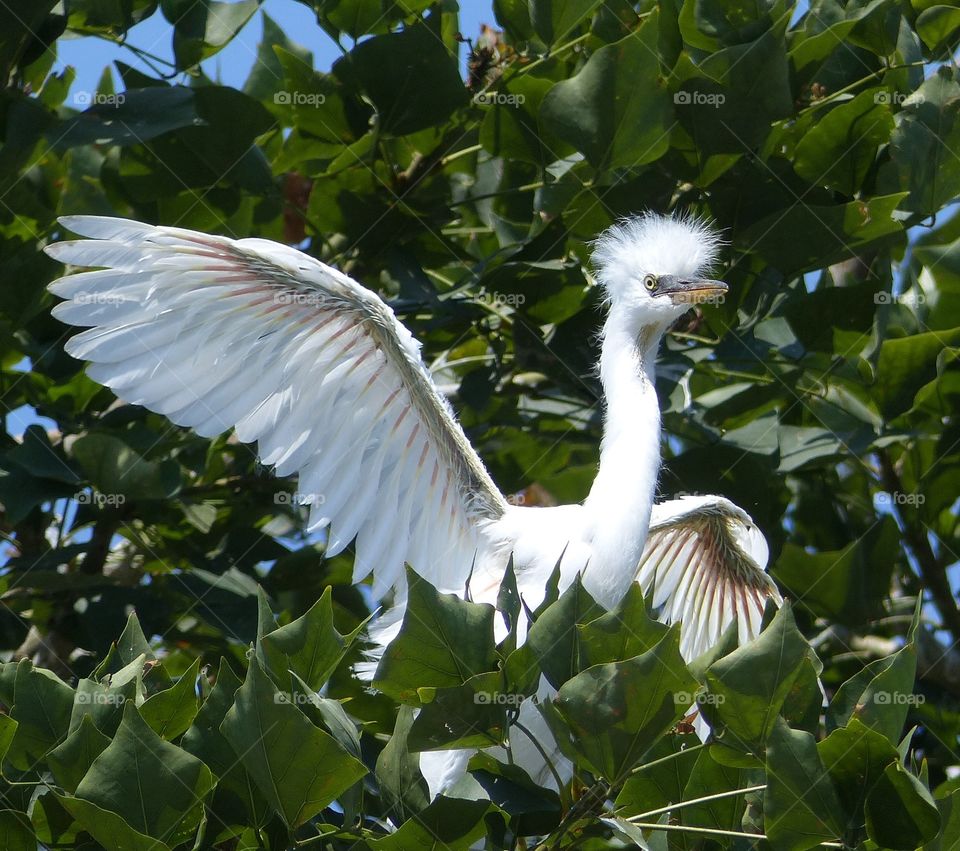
{"points": [[650, 283]]}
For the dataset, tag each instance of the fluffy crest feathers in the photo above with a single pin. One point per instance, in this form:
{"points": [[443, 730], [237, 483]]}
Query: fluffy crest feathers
{"points": [[682, 245]]}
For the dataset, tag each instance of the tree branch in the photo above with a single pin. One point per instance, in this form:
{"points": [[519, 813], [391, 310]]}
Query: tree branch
{"points": [[933, 573]]}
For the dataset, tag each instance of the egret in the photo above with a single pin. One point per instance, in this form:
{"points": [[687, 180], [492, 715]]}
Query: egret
{"points": [[216, 333]]}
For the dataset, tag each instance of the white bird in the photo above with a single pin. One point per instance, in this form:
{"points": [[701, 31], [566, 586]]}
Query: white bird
{"points": [[217, 333]]}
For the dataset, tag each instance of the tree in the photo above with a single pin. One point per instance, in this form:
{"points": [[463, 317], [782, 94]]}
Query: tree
{"points": [[821, 396]]}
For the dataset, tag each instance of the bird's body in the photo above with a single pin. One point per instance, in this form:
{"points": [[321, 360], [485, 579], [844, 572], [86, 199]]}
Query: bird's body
{"points": [[217, 334]]}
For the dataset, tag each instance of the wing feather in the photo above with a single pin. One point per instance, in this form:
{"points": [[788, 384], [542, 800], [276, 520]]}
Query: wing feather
{"points": [[295, 356], [704, 565]]}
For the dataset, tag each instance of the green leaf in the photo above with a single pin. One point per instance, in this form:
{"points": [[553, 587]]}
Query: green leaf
{"points": [[36, 455], [846, 585], [800, 806], [141, 788], [747, 688], [905, 365], [937, 24], [72, 758], [310, 646], [42, 707], [855, 757], [901, 812], [419, 62], [203, 27], [16, 832], [881, 694], [812, 236], [927, 134], [443, 641], [661, 779], [266, 76], [532, 809], [8, 727], [554, 20], [109, 19], [236, 797], [708, 778], [467, 716], [314, 103], [949, 806], [141, 115], [628, 630], [103, 703], [402, 786], [448, 823], [554, 638], [510, 126], [119, 473], [617, 711], [297, 767], [840, 149], [171, 712], [604, 114]]}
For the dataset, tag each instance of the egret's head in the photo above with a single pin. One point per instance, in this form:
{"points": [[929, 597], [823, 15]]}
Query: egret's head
{"points": [[655, 267]]}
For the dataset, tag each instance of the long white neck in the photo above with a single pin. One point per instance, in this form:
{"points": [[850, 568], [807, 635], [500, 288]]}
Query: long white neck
{"points": [[619, 503]]}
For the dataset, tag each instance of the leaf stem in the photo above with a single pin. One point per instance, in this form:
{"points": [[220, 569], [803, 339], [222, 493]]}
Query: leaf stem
{"points": [[449, 158], [703, 831], [646, 765], [732, 793], [861, 81]]}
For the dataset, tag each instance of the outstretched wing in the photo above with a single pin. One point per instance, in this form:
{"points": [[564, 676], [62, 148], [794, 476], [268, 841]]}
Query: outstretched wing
{"points": [[216, 333], [704, 562]]}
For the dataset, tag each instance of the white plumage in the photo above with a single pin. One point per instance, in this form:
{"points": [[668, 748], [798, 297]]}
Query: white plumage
{"points": [[216, 333]]}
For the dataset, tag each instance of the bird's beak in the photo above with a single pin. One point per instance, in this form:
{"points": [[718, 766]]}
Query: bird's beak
{"points": [[691, 290]]}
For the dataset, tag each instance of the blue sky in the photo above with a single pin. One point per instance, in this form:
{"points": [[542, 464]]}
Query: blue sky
{"points": [[89, 55]]}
